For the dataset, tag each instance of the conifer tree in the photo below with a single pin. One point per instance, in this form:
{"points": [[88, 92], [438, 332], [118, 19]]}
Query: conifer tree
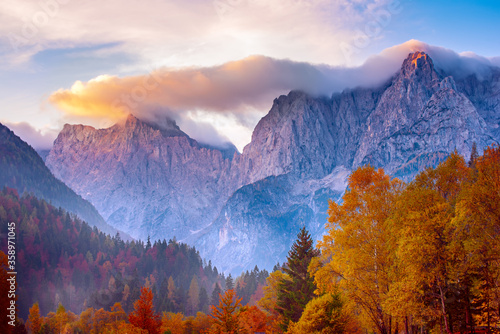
{"points": [[229, 283], [294, 294], [203, 300], [215, 295], [473, 156]]}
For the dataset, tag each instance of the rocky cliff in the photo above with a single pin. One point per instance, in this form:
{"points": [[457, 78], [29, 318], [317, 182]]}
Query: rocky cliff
{"points": [[147, 180], [247, 209]]}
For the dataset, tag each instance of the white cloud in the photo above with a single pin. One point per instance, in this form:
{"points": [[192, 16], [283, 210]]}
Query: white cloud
{"points": [[40, 139], [237, 92], [180, 33]]}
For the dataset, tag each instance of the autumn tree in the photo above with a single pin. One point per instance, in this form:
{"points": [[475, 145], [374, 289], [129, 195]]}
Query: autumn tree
{"points": [[477, 230], [115, 319], [173, 323], [61, 319], [323, 315], [143, 315], [426, 262], [34, 324], [171, 292], [252, 320], [225, 315], [201, 323], [193, 297], [270, 299], [356, 252]]}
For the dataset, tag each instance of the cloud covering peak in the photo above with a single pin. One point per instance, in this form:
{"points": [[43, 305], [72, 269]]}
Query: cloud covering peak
{"points": [[238, 93]]}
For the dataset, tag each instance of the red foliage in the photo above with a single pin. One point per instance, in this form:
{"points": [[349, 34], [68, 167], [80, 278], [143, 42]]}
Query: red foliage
{"points": [[143, 315]]}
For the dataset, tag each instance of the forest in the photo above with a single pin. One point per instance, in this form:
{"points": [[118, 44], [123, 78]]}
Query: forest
{"points": [[417, 257]]}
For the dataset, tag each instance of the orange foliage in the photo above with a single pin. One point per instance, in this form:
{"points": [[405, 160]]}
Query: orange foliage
{"points": [[224, 317], [172, 322], [253, 320], [143, 315], [34, 323]]}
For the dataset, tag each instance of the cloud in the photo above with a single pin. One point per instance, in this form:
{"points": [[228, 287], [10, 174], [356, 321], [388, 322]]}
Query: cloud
{"points": [[180, 33], [38, 139], [238, 89]]}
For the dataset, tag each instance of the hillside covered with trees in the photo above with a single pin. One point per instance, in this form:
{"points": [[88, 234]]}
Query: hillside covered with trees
{"points": [[61, 259], [418, 257]]}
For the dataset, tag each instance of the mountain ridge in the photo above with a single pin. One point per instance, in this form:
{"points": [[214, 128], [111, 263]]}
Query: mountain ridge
{"points": [[24, 170], [409, 123]]}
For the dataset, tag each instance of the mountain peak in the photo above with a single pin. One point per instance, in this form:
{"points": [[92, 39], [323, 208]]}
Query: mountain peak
{"points": [[418, 64], [419, 58], [165, 125]]}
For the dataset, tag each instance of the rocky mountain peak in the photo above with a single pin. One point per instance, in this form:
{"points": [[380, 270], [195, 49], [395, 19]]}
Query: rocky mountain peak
{"points": [[448, 83], [246, 209], [165, 125], [418, 64]]}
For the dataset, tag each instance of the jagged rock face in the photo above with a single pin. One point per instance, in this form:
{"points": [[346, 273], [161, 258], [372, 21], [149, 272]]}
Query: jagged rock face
{"points": [[306, 136], [484, 94], [260, 221], [420, 114], [148, 181], [247, 210]]}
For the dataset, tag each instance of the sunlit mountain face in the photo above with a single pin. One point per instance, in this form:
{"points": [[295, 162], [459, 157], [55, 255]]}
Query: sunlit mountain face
{"points": [[245, 208]]}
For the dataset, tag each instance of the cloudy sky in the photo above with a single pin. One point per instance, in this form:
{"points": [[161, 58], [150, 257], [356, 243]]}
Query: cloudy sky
{"points": [[215, 66]]}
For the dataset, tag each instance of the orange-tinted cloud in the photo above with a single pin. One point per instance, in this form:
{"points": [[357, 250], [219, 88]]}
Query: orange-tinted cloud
{"points": [[233, 88], [236, 89]]}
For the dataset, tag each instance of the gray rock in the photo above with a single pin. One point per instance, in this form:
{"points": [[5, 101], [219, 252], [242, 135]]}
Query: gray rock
{"points": [[242, 210]]}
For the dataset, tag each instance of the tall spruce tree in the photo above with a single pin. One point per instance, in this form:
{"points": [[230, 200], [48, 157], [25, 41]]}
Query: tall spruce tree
{"points": [[215, 294], [229, 283], [294, 294]]}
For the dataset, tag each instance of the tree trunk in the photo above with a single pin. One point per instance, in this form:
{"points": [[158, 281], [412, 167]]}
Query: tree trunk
{"points": [[443, 309]]}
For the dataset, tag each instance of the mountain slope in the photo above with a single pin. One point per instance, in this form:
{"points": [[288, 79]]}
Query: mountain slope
{"points": [[23, 169], [63, 260], [248, 209], [145, 180]]}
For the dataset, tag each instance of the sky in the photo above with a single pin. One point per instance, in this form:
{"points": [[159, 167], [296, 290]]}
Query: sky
{"points": [[215, 66]]}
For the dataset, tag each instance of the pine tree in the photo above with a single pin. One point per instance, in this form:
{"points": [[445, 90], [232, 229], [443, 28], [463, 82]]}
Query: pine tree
{"points": [[215, 295], [473, 156], [203, 300], [294, 294], [143, 315], [229, 283]]}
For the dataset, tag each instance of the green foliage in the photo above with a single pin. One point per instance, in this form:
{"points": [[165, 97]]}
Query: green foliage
{"points": [[295, 293]]}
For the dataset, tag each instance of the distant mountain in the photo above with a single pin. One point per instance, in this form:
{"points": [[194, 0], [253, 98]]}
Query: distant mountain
{"points": [[145, 180], [247, 209], [23, 169]]}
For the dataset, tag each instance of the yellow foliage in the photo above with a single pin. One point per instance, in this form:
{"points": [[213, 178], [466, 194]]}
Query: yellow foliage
{"points": [[173, 322]]}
